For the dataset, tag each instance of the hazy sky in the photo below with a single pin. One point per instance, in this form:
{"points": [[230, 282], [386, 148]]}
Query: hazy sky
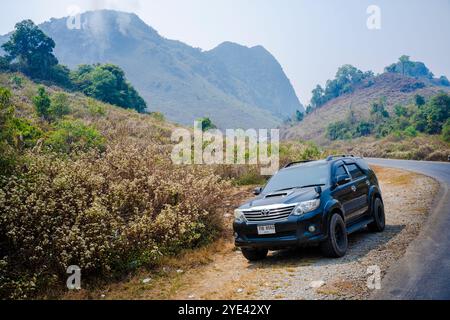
{"points": [[310, 38]]}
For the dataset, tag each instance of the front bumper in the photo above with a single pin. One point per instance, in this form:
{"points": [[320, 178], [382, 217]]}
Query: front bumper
{"points": [[290, 232]]}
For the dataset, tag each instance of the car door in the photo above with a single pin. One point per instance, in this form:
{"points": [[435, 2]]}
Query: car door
{"points": [[343, 193], [360, 199]]}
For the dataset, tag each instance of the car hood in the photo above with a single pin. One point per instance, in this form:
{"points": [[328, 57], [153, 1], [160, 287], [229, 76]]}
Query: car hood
{"points": [[282, 197]]}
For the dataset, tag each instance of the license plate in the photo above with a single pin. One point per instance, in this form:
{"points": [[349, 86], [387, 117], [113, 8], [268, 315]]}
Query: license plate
{"points": [[270, 229]]}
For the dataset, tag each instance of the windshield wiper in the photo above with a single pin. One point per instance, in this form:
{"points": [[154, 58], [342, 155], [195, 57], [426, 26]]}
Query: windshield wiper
{"points": [[301, 187], [314, 185]]}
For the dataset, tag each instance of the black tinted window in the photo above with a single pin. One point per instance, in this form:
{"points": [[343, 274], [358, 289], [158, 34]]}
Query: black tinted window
{"points": [[304, 175], [355, 171], [340, 171]]}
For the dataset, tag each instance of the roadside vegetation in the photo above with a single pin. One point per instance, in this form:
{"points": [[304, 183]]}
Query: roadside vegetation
{"points": [[419, 130]]}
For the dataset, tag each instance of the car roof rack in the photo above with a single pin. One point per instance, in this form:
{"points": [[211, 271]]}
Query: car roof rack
{"points": [[332, 157], [296, 162]]}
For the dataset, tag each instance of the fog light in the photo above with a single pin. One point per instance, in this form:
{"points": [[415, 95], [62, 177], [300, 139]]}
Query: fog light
{"points": [[312, 229]]}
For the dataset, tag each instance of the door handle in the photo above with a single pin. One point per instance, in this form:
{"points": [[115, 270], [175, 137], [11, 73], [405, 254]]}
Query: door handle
{"points": [[353, 188]]}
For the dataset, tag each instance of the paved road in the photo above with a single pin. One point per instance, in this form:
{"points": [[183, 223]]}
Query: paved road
{"points": [[424, 270]]}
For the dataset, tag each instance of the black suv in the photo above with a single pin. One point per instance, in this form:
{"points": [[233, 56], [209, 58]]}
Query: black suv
{"points": [[311, 202]]}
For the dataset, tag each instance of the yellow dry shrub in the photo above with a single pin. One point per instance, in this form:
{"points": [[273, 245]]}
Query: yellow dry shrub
{"points": [[105, 213]]}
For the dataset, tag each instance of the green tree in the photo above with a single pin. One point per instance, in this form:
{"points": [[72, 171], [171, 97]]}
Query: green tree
{"points": [[438, 110], [419, 100], [299, 116], [32, 50], [444, 81], [42, 103], [378, 110], [364, 128], [446, 131], [59, 105], [317, 96], [400, 111], [404, 60], [410, 68], [207, 124], [107, 83]]}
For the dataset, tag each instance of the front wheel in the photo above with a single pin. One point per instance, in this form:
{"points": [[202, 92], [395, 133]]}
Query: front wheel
{"points": [[379, 219], [336, 244], [254, 254]]}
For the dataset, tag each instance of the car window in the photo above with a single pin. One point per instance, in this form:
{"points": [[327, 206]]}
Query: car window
{"points": [[304, 175], [355, 171], [340, 171]]}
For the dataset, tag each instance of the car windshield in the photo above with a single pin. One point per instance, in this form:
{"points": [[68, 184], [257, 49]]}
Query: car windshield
{"points": [[301, 176]]}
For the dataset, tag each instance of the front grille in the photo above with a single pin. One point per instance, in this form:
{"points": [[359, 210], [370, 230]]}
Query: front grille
{"points": [[268, 215]]}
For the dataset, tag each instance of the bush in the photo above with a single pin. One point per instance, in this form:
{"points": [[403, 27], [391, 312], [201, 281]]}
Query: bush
{"points": [[23, 133], [16, 81], [446, 131], [95, 108], [411, 131], [105, 214], [59, 105], [74, 135], [42, 103]]}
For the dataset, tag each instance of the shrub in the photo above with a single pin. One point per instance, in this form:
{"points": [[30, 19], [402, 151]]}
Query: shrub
{"points": [[23, 133], [158, 116], [95, 108], [16, 81], [446, 131], [105, 214], [411, 131], [42, 103], [71, 135], [59, 105]]}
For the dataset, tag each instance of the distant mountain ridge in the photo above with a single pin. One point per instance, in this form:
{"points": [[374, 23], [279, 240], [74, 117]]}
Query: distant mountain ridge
{"points": [[234, 85]]}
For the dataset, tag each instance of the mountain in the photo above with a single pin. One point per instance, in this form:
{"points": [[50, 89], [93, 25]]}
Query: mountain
{"points": [[394, 87], [234, 85]]}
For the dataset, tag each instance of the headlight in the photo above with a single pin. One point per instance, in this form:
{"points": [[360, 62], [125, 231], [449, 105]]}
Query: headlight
{"points": [[306, 206], [239, 216]]}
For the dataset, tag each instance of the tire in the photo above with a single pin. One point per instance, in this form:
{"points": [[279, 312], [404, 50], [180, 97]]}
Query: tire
{"points": [[254, 254], [337, 243], [379, 222]]}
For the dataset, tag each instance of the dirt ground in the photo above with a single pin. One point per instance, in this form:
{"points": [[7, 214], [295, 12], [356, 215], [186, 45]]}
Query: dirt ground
{"points": [[221, 272]]}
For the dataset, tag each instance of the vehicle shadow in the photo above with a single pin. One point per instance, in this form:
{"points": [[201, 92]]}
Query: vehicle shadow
{"points": [[360, 244]]}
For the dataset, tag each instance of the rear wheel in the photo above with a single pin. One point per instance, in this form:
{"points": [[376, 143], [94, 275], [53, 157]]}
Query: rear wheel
{"points": [[252, 254], [336, 244], [379, 222]]}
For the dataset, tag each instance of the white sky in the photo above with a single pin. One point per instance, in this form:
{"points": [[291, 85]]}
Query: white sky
{"points": [[310, 39]]}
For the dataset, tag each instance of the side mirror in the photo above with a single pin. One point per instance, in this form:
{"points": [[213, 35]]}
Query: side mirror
{"points": [[257, 191], [343, 179]]}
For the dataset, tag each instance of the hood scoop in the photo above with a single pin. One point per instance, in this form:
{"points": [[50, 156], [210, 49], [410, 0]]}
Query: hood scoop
{"points": [[278, 194]]}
